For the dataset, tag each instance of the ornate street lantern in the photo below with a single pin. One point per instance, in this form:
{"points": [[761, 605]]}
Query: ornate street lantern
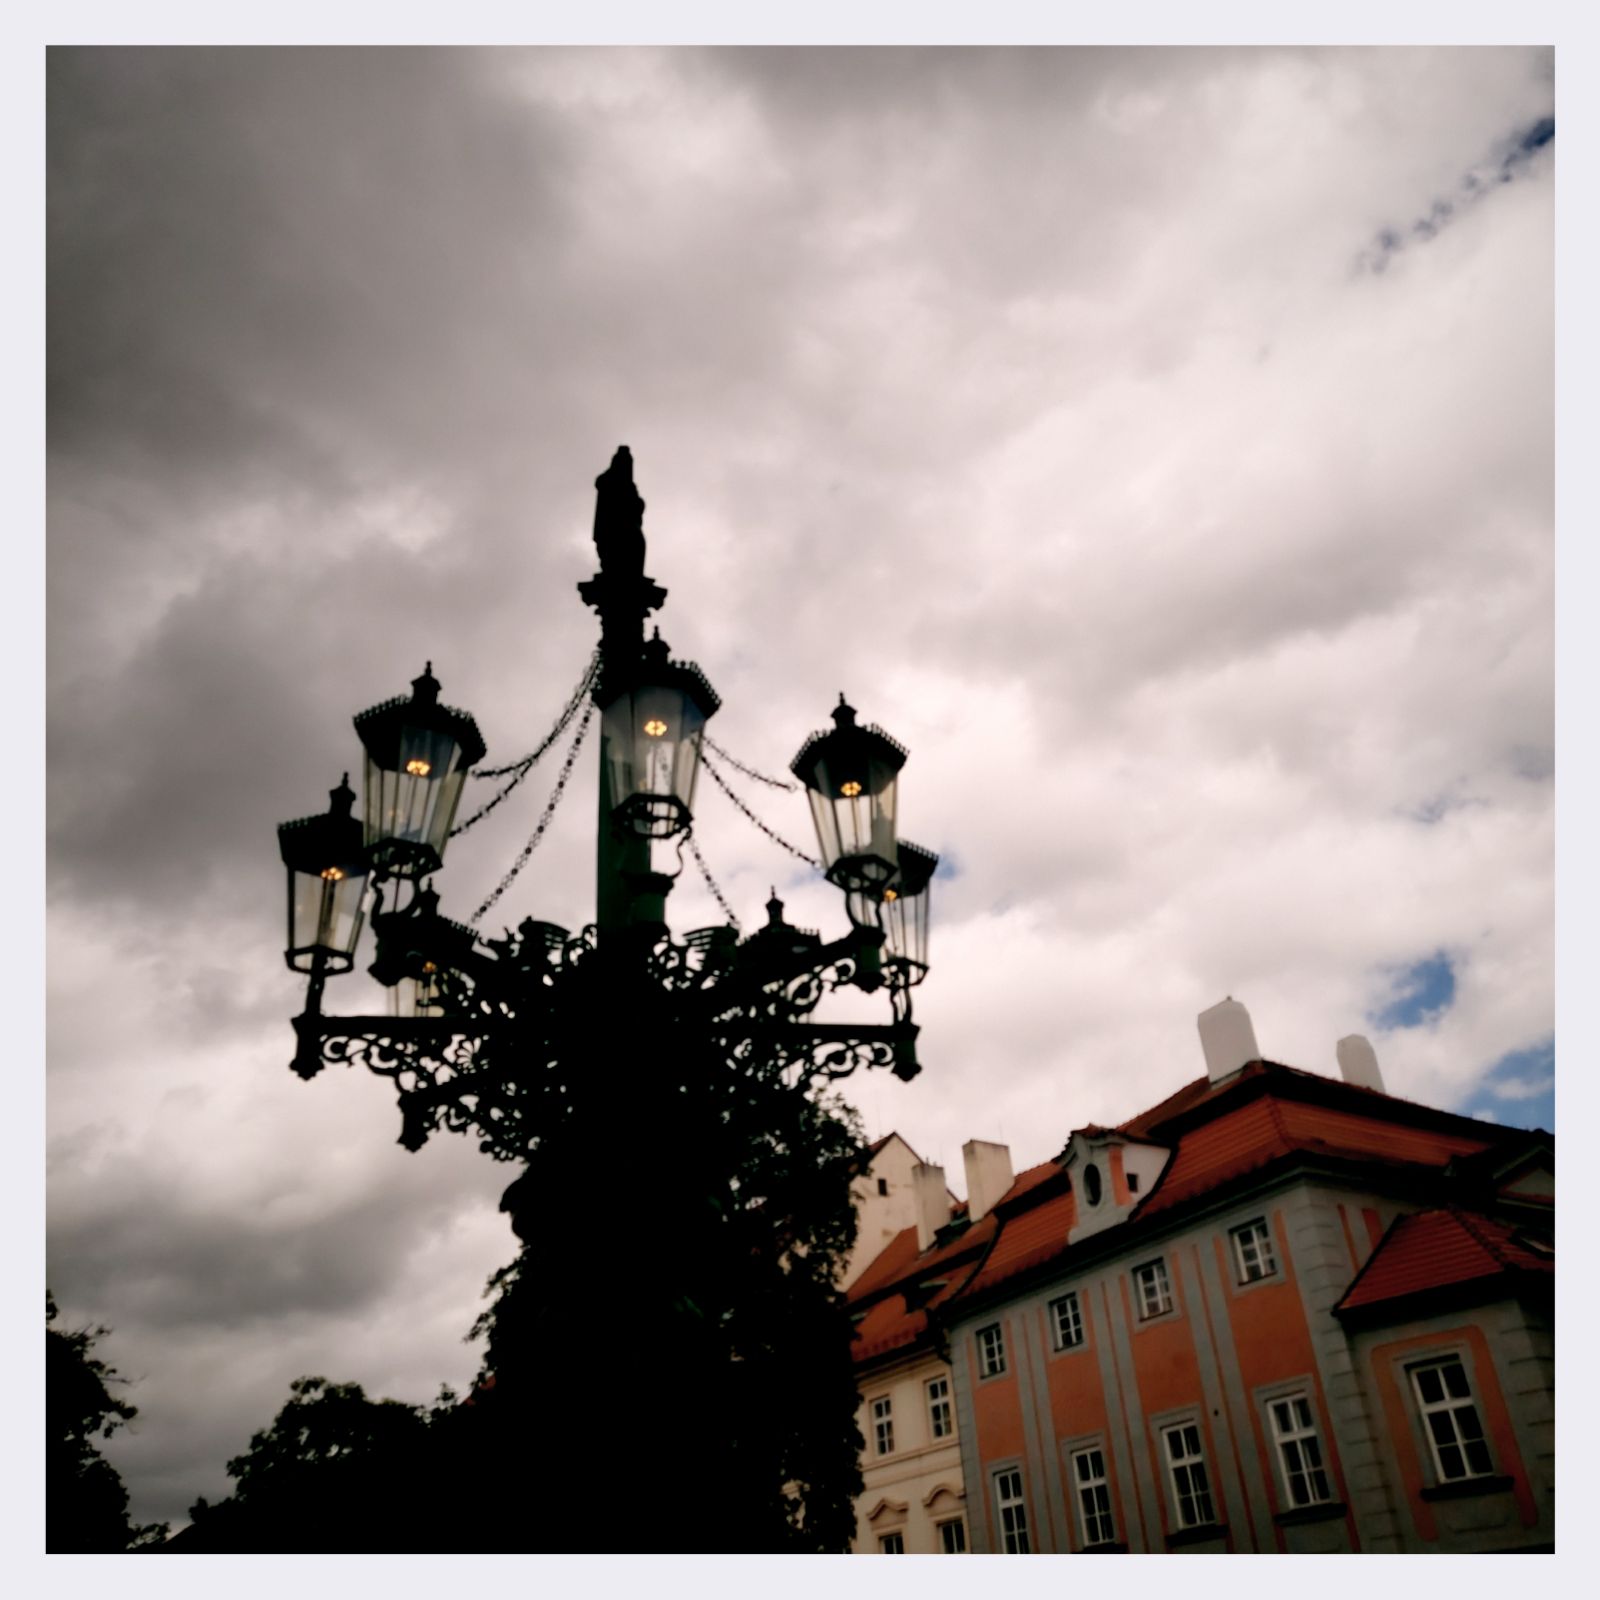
{"points": [[650, 737], [905, 913], [327, 881], [850, 778], [418, 753], [419, 952]]}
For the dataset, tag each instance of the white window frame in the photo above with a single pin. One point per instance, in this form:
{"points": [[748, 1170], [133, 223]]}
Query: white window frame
{"points": [[940, 1529], [1011, 1512], [1099, 1525], [1254, 1259], [1058, 1324], [991, 1351], [1192, 1498], [1299, 1449], [1160, 1303], [940, 1404], [1449, 1409], [897, 1537], [883, 1425]]}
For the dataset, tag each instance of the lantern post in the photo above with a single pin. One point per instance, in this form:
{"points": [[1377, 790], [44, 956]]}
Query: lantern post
{"points": [[691, 1055]]}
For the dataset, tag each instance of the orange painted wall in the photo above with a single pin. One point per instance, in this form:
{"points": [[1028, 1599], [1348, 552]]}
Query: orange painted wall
{"points": [[1078, 1404], [1272, 1343], [997, 1412], [1491, 1405]]}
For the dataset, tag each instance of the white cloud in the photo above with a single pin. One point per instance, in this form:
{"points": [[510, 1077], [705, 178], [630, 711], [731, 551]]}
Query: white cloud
{"points": [[1038, 400]]}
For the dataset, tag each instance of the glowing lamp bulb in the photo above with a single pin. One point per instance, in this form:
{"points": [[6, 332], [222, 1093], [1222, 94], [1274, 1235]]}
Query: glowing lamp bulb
{"points": [[430, 966], [333, 874], [850, 790], [655, 727], [419, 768], [891, 894]]}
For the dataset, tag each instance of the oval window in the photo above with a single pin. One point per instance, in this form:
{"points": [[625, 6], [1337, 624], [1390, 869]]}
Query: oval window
{"points": [[1091, 1183]]}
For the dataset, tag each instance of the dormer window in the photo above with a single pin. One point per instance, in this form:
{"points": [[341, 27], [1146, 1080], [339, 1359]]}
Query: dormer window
{"points": [[1111, 1174]]}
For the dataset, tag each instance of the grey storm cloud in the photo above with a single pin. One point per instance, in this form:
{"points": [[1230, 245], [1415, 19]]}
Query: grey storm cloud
{"points": [[1027, 396]]}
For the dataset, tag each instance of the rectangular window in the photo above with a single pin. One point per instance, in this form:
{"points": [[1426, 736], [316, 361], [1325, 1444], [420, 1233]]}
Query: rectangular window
{"points": [[883, 1425], [1252, 1251], [1133, 1183], [1299, 1451], [942, 1422], [1155, 1292], [991, 1351], [1450, 1419], [953, 1538], [1191, 1489], [892, 1544], [1066, 1322], [1013, 1514], [1093, 1495]]}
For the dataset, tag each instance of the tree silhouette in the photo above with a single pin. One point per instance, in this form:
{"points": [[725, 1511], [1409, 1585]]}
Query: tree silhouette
{"points": [[86, 1504], [666, 1364], [334, 1472]]}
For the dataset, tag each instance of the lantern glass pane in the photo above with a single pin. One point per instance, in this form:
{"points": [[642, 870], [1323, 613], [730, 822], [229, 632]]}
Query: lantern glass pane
{"points": [[326, 913], [418, 997], [414, 802], [853, 806], [652, 744]]}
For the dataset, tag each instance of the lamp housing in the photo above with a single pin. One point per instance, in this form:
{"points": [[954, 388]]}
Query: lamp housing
{"points": [[328, 867], [417, 756], [851, 774], [650, 743], [905, 913], [420, 953]]}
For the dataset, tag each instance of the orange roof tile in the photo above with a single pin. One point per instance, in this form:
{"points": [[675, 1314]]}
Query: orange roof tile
{"points": [[888, 1325], [1218, 1132], [1262, 1130], [1439, 1249], [1028, 1240]]}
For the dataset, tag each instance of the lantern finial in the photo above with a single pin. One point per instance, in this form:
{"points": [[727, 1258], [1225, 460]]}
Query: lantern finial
{"points": [[425, 690]]}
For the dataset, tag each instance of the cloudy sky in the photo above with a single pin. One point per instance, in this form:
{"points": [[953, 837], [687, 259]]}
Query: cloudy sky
{"points": [[1157, 443]]}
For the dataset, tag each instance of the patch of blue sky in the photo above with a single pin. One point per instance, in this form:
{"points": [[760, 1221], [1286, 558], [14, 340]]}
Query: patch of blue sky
{"points": [[1519, 1089], [1516, 152], [1421, 993]]}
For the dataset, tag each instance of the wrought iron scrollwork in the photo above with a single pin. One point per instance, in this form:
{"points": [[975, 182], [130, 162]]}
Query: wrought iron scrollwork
{"points": [[491, 1062]]}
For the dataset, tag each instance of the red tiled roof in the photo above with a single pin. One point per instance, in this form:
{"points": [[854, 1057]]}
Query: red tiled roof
{"points": [[887, 1326], [1439, 1249], [1218, 1132], [1028, 1240], [1264, 1129]]}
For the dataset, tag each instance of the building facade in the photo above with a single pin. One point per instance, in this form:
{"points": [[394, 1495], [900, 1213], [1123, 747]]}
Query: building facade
{"points": [[914, 1502], [1276, 1312]]}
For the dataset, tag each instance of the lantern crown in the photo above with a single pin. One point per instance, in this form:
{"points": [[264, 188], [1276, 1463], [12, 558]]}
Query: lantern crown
{"points": [[848, 742], [657, 670], [379, 727], [329, 840]]}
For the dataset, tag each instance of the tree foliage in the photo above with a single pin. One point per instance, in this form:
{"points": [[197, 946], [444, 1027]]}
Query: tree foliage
{"points": [[86, 1504], [667, 1362], [334, 1472]]}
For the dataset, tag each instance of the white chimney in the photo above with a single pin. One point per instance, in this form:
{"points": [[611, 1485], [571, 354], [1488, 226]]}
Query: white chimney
{"points": [[988, 1175], [1358, 1061], [931, 1198], [1227, 1038]]}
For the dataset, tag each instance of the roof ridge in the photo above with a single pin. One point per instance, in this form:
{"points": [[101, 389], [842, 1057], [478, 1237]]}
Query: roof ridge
{"points": [[1469, 1221]]}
